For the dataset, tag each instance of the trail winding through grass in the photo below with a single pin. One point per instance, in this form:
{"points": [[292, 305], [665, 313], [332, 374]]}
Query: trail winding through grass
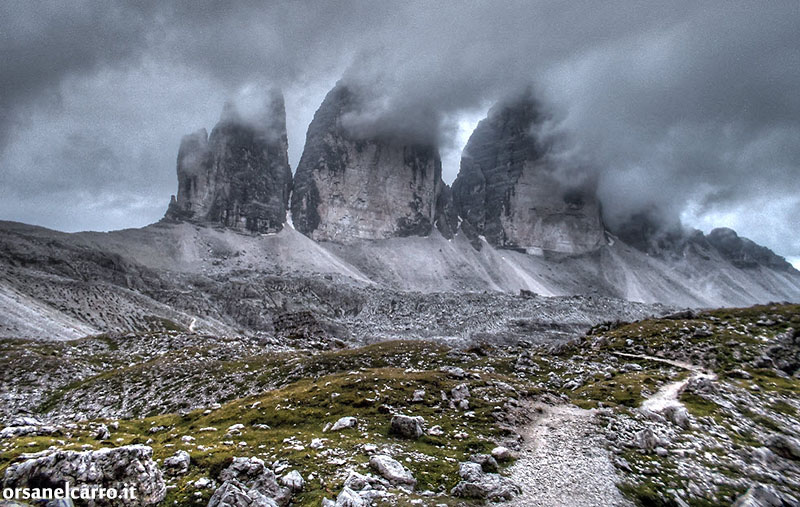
{"points": [[564, 460]]}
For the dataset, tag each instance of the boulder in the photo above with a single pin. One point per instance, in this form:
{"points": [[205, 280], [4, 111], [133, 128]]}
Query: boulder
{"points": [[406, 426], [501, 453], [349, 498], [476, 483], [294, 481], [436, 431], [785, 447], [254, 475], [359, 482], [177, 464], [21, 431], [119, 468], [343, 423], [762, 495], [102, 433], [646, 440], [235, 494], [460, 392], [392, 470], [678, 415], [453, 371], [25, 421], [487, 463], [356, 481]]}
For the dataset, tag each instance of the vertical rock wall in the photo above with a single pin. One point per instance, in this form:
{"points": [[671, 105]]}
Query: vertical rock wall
{"points": [[508, 190], [350, 187], [239, 176]]}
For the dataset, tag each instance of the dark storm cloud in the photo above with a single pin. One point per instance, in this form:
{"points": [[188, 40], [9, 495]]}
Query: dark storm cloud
{"points": [[687, 106]]}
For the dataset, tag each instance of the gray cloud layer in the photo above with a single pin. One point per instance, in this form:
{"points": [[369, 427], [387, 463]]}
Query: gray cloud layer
{"points": [[688, 106]]}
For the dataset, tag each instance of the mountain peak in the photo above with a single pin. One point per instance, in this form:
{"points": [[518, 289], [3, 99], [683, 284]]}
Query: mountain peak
{"points": [[350, 186], [509, 191], [239, 176]]}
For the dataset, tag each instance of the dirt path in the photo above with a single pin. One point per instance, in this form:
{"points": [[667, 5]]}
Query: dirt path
{"points": [[564, 462], [668, 394]]}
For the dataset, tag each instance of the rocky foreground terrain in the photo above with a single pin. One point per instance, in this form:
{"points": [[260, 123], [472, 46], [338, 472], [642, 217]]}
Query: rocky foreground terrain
{"points": [[696, 408]]}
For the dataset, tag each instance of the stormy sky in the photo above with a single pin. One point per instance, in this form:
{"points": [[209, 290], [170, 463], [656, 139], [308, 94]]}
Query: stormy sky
{"points": [[691, 108]]}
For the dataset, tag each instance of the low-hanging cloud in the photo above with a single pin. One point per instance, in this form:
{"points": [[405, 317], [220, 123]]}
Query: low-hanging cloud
{"points": [[687, 107]]}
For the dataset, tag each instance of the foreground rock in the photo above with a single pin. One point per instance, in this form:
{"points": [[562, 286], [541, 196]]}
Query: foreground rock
{"points": [[347, 498], [22, 426], [765, 496], [178, 464], [406, 426], [476, 483], [235, 494], [341, 424], [785, 447], [293, 480], [501, 453], [250, 478], [392, 471], [119, 468]]}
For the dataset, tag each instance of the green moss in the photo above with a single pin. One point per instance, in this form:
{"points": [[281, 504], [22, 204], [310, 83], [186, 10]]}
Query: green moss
{"points": [[782, 407], [699, 406], [624, 389], [646, 495]]}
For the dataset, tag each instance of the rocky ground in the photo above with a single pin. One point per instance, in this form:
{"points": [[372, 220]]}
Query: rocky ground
{"points": [[695, 408]]}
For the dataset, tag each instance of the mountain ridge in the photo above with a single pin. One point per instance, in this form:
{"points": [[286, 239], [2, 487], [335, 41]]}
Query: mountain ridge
{"points": [[245, 248]]}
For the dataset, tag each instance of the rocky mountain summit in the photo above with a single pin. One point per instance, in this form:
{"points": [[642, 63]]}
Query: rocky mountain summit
{"points": [[658, 238], [239, 176], [350, 187], [511, 193], [367, 198]]}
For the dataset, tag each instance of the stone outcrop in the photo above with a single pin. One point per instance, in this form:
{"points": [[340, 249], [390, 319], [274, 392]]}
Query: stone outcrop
{"points": [[509, 191], [235, 494], [118, 468], [392, 470], [475, 483], [239, 176], [762, 495], [249, 478], [406, 426], [350, 187]]}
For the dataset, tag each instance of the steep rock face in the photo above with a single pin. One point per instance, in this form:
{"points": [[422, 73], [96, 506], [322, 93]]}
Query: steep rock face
{"points": [[239, 176], [649, 231], [349, 187], [508, 191]]}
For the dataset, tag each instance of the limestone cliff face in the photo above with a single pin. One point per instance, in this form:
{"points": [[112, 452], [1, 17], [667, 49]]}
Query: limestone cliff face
{"points": [[507, 189], [349, 187], [239, 176]]}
